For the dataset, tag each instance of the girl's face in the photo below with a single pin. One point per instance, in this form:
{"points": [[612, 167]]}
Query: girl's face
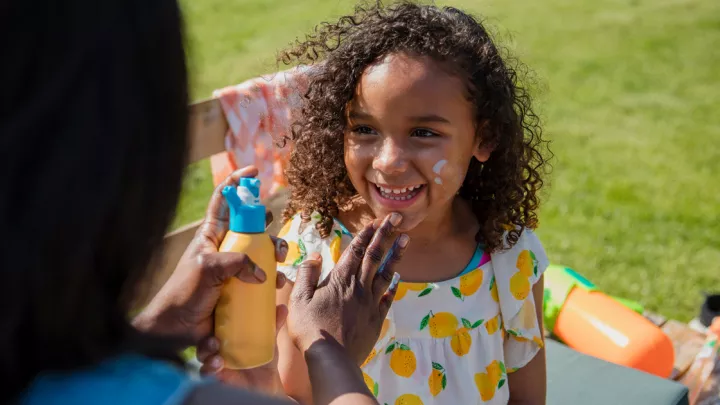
{"points": [[409, 139]]}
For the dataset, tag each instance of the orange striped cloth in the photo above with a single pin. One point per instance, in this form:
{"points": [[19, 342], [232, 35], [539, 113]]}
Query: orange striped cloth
{"points": [[259, 113]]}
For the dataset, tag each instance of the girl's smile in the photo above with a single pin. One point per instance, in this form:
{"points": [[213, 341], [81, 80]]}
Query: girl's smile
{"points": [[396, 198]]}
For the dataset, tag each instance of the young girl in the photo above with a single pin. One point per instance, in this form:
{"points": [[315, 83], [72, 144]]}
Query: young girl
{"points": [[411, 109]]}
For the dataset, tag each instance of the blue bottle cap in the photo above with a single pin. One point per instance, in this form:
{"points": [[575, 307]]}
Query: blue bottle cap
{"points": [[247, 215]]}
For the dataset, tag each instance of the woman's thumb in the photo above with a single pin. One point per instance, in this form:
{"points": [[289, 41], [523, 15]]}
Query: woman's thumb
{"points": [[307, 278], [216, 220]]}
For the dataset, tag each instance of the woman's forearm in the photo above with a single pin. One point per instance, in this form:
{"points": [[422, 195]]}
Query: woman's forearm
{"points": [[334, 377]]}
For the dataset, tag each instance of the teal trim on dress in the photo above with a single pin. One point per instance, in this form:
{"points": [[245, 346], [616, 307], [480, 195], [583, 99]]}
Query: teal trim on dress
{"points": [[475, 261]]}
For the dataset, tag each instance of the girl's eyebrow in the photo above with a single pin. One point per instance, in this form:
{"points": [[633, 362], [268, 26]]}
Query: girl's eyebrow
{"points": [[359, 115], [430, 118], [421, 119]]}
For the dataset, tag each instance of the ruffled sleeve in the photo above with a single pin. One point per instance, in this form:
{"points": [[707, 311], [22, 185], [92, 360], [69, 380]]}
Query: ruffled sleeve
{"points": [[304, 239], [516, 271]]}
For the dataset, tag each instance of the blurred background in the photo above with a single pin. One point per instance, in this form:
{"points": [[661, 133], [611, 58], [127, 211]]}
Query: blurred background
{"points": [[629, 91]]}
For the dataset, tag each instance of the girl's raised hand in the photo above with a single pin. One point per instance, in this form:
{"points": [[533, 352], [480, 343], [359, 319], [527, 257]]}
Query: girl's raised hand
{"points": [[350, 306]]}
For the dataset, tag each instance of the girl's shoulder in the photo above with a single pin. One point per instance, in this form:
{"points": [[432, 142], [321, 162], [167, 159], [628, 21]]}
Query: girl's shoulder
{"points": [[125, 379], [303, 239], [517, 269], [527, 255]]}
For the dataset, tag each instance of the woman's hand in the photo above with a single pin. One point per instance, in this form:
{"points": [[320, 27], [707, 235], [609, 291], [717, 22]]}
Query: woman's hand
{"points": [[185, 304], [352, 303], [264, 378]]}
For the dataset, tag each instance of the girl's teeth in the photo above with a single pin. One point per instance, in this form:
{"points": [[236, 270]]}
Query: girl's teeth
{"points": [[397, 190], [392, 194]]}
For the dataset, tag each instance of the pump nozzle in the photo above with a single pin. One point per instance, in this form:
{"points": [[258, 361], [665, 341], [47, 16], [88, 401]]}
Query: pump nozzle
{"points": [[249, 191], [247, 215]]}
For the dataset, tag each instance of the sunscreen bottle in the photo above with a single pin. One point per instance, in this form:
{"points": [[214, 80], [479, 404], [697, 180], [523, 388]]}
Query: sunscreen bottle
{"points": [[245, 313]]}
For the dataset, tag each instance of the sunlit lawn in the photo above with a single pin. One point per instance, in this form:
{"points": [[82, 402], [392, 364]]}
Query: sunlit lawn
{"points": [[630, 93]]}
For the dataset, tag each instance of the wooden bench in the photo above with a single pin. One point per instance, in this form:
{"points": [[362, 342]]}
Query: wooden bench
{"points": [[208, 128]]}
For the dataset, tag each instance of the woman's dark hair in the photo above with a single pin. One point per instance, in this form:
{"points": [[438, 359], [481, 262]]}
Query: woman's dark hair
{"points": [[503, 191], [93, 140]]}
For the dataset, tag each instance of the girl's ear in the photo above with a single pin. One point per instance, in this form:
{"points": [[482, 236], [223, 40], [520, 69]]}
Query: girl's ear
{"points": [[482, 150]]}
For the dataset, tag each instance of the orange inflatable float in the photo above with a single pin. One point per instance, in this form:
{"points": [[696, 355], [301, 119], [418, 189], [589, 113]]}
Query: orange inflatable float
{"points": [[596, 324]]}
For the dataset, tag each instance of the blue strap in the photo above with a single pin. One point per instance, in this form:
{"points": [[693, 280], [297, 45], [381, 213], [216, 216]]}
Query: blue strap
{"points": [[475, 261]]}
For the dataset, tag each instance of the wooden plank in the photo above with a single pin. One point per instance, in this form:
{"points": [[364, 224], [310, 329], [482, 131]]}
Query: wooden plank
{"points": [[276, 204], [687, 344], [174, 246], [656, 319], [207, 129]]}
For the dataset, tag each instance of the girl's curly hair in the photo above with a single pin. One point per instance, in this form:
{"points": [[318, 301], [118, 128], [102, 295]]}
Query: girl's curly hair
{"points": [[503, 191]]}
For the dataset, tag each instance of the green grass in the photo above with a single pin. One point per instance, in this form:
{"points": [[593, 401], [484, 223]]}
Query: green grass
{"points": [[630, 94]]}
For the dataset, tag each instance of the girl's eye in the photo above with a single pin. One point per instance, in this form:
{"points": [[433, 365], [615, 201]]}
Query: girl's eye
{"points": [[423, 133], [363, 130]]}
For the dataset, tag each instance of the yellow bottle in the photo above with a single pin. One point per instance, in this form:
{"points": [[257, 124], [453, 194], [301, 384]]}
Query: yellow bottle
{"points": [[245, 313]]}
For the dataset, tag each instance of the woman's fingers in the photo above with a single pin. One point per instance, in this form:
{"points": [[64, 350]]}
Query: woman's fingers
{"points": [[352, 258], [376, 249], [384, 276], [388, 297], [280, 281], [269, 217], [219, 267], [281, 249], [216, 222], [307, 279], [206, 348], [217, 207], [213, 365]]}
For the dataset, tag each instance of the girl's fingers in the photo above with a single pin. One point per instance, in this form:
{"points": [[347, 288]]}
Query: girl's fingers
{"points": [[376, 250], [384, 276]]}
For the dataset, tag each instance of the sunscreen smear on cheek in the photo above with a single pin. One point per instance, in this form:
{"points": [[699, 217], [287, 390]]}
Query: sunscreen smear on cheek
{"points": [[437, 168]]}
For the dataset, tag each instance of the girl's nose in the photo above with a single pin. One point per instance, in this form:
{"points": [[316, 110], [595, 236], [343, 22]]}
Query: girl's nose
{"points": [[391, 158]]}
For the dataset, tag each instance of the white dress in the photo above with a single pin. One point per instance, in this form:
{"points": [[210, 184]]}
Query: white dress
{"points": [[448, 342]]}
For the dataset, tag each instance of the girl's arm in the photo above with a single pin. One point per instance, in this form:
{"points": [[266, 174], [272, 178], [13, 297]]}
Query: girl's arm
{"points": [[291, 364], [528, 385]]}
